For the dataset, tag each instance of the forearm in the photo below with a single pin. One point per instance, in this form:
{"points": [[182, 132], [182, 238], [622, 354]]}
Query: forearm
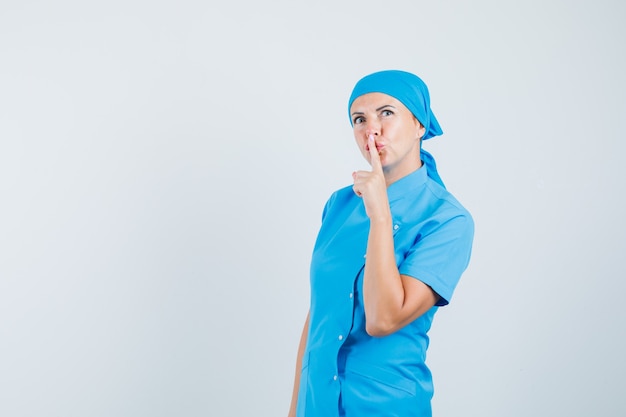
{"points": [[383, 290], [296, 383]]}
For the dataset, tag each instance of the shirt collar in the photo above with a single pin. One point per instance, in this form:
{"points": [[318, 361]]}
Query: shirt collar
{"points": [[408, 183]]}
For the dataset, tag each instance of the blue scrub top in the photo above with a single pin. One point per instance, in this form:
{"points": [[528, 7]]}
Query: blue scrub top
{"points": [[346, 372]]}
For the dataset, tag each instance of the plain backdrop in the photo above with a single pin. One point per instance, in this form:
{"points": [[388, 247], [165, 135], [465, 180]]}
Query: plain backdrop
{"points": [[164, 164]]}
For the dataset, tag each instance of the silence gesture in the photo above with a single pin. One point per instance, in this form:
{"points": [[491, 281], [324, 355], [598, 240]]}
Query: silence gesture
{"points": [[371, 185]]}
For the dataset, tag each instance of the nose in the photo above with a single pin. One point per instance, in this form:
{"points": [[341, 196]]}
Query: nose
{"points": [[372, 128]]}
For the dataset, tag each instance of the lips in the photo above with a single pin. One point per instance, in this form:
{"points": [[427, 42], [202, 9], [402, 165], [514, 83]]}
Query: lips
{"points": [[379, 147]]}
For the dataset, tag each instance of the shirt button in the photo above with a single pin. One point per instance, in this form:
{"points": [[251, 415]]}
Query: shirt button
{"points": [[396, 227], [340, 337], [335, 378], [351, 295], [365, 256]]}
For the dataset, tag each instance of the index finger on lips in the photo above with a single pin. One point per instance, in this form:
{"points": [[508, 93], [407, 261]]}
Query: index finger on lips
{"points": [[374, 156]]}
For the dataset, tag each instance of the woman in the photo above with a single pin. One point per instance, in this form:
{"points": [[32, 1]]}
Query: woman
{"points": [[390, 251]]}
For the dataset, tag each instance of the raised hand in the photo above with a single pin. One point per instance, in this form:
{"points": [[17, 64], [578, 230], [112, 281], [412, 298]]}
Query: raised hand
{"points": [[371, 185]]}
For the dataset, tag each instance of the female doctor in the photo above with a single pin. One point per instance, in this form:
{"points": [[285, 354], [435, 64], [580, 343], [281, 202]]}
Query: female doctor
{"points": [[390, 251]]}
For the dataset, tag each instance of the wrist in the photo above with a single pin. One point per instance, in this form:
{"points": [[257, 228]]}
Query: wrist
{"points": [[382, 220]]}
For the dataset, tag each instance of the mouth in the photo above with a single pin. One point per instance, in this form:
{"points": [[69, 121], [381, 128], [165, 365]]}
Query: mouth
{"points": [[379, 148]]}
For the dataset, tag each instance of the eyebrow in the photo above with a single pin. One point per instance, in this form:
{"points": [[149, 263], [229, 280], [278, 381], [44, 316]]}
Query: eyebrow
{"points": [[378, 109]]}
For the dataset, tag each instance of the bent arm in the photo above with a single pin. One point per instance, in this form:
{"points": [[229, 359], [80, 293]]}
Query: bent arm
{"points": [[296, 382], [391, 300]]}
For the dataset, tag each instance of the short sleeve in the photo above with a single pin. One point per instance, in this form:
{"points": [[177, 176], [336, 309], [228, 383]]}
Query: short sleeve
{"points": [[329, 202], [439, 258]]}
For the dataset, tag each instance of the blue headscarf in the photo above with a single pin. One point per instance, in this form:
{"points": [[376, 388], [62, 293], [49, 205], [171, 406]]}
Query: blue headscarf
{"points": [[411, 91]]}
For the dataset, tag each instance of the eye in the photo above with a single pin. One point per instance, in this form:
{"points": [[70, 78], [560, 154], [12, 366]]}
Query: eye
{"points": [[358, 120], [386, 112]]}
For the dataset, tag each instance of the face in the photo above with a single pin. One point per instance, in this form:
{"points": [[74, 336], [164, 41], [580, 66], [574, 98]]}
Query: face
{"points": [[396, 132]]}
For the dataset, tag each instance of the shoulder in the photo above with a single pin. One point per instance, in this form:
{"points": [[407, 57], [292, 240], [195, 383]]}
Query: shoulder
{"points": [[445, 203], [437, 216], [341, 198], [433, 209]]}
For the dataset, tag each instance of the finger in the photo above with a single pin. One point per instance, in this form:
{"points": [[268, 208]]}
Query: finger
{"points": [[374, 156], [356, 187]]}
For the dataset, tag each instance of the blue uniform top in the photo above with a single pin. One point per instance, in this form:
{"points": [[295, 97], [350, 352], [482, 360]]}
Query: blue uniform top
{"points": [[344, 370]]}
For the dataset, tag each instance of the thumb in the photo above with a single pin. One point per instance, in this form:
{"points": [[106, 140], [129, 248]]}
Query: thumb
{"points": [[374, 156]]}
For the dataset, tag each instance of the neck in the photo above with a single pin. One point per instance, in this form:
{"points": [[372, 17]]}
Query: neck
{"points": [[392, 175]]}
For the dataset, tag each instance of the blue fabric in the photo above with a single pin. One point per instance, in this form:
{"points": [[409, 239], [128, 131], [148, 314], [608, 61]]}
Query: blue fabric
{"points": [[411, 91], [344, 370]]}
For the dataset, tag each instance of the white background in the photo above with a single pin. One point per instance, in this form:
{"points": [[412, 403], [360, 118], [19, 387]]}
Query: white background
{"points": [[163, 167]]}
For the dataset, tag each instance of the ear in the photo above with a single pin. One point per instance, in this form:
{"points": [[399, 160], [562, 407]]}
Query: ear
{"points": [[421, 130]]}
